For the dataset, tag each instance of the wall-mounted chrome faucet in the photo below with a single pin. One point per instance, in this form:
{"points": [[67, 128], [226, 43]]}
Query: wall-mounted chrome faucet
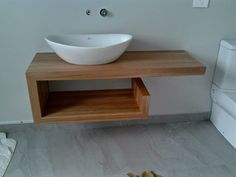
{"points": [[103, 12]]}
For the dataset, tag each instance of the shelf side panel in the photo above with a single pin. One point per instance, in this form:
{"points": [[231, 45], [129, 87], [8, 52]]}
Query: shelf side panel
{"points": [[141, 94]]}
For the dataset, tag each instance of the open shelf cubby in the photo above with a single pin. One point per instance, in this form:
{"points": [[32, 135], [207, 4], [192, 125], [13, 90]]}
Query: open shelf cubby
{"points": [[101, 105], [90, 105]]}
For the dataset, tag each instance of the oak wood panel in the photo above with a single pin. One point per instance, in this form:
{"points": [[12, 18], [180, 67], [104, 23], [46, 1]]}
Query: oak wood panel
{"points": [[48, 66], [38, 93], [43, 93], [34, 99], [141, 94]]}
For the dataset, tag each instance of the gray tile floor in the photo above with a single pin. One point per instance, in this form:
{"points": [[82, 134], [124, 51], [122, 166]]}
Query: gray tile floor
{"points": [[191, 149]]}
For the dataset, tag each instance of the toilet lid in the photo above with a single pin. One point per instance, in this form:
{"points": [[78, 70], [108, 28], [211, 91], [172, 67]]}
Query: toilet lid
{"points": [[226, 100], [232, 96]]}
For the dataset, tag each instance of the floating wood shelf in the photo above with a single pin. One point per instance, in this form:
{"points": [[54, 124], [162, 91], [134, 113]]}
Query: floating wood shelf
{"points": [[103, 105]]}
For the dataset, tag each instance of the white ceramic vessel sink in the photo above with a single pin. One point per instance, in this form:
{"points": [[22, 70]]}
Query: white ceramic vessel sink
{"points": [[89, 49]]}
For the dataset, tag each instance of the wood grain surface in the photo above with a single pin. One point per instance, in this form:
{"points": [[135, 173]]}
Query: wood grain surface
{"points": [[48, 66]]}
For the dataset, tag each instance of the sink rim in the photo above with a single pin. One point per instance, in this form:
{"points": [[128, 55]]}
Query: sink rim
{"points": [[50, 39]]}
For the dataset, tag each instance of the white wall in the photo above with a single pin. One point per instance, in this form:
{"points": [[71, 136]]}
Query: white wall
{"points": [[155, 25]]}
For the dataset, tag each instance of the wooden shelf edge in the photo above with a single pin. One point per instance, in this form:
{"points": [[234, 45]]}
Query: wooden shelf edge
{"points": [[133, 64], [53, 121], [88, 119]]}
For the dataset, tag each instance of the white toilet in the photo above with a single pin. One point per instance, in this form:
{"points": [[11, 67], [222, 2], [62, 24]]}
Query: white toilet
{"points": [[223, 91]]}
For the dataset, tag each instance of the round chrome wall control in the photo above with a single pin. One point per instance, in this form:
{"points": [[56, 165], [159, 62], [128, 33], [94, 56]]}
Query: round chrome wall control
{"points": [[88, 12], [103, 12]]}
